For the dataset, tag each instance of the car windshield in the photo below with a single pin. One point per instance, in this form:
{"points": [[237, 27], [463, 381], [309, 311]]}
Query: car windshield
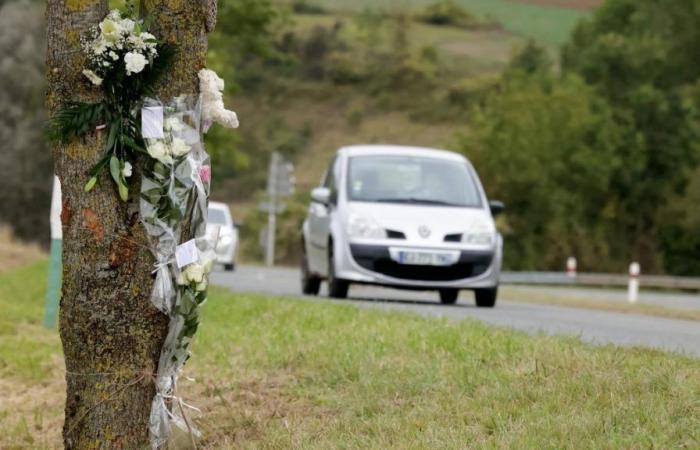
{"points": [[411, 180], [217, 216]]}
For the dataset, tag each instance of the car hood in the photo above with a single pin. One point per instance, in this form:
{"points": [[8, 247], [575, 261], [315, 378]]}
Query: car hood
{"points": [[435, 221]]}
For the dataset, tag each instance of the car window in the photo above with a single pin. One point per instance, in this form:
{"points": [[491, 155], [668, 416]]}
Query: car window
{"points": [[217, 216], [413, 180]]}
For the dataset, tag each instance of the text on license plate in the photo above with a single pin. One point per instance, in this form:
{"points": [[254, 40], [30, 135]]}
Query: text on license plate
{"points": [[425, 258]]}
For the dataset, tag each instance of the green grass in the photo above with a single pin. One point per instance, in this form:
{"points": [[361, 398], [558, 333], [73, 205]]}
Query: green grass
{"points": [[549, 25], [279, 374]]}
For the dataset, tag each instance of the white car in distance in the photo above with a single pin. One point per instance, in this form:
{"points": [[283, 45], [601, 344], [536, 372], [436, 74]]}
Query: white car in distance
{"points": [[403, 217], [221, 222]]}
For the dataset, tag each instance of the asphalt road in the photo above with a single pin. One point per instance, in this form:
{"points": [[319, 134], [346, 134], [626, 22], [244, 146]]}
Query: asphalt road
{"points": [[599, 327]]}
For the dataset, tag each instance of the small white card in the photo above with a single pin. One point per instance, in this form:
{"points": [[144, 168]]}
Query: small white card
{"points": [[186, 254], [152, 122]]}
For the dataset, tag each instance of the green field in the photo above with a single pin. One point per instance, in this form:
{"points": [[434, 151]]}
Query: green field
{"points": [[550, 25], [279, 374]]}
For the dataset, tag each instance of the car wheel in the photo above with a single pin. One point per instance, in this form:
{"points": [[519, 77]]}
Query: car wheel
{"points": [[449, 296], [310, 284], [229, 267], [337, 288], [486, 298]]}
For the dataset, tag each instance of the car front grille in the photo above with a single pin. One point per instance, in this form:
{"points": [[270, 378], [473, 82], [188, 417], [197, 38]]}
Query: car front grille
{"points": [[377, 259]]}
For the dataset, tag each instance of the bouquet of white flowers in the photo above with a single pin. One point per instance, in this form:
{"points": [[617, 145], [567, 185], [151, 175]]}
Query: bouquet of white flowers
{"points": [[118, 47], [126, 62]]}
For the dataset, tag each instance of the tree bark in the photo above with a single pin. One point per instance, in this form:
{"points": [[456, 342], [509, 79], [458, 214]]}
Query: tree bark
{"points": [[111, 333]]}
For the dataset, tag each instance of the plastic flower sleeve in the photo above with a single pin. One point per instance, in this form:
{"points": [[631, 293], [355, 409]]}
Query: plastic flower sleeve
{"points": [[173, 205]]}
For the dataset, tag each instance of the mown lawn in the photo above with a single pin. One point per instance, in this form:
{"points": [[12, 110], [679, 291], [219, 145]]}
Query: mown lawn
{"points": [[277, 374]]}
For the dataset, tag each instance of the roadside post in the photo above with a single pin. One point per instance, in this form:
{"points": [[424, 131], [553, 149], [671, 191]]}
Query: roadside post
{"points": [[571, 267], [53, 291], [633, 288], [280, 184]]}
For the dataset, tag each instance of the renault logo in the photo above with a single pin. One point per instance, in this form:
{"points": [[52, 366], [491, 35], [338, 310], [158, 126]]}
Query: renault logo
{"points": [[424, 232]]}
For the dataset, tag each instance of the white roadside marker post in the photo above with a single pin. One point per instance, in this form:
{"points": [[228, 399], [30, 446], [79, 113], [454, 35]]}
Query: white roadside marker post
{"points": [[633, 288], [53, 291], [571, 267]]}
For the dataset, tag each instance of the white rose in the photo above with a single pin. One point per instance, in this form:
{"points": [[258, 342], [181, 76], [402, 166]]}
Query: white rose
{"points": [[111, 30], [93, 77], [135, 62], [158, 150], [179, 147], [202, 286], [194, 273], [128, 25], [174, 124]]}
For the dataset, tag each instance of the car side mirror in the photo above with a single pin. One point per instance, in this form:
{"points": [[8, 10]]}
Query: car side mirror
{"points": [[321, 195], [496, 207]]}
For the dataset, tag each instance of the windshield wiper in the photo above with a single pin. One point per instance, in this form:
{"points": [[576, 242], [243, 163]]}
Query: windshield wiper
{"points": [[419, 201]]}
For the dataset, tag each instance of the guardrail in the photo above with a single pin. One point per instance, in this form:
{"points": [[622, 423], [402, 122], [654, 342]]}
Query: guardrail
{"points": [[600, 280]]}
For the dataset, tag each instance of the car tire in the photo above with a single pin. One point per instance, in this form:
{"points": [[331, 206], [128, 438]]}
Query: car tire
{"points": [[486, 298], [229, 267], [337, 288], [310, 284], [449, 296]]}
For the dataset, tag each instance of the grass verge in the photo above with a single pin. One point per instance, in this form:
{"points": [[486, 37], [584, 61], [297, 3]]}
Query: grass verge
{"points": [[513, 294], [277, 374]]}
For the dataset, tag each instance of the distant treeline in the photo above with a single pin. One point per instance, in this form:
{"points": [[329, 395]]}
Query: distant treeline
{"points": [[600, 159]]}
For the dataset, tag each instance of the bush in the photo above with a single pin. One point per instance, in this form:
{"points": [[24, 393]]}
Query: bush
{"points": [[448, 13], [304, 7]]}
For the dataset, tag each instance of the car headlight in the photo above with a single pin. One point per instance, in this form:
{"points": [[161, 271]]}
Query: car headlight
{"points": [[481, 238], [479, 233], [225, 240], [365, 227]]}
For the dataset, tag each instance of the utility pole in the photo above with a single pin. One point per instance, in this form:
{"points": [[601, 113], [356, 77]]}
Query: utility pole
{"points": [[280, 184]]}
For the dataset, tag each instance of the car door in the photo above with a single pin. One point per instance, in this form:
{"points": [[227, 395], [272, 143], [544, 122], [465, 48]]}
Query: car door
{"points": [[319, 224]]}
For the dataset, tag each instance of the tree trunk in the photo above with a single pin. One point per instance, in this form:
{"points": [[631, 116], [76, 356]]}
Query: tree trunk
{"points": [[111, 334]]}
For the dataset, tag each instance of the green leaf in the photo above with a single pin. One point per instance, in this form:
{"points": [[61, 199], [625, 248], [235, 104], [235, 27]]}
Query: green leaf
{"points": [[115, 169], [123, 191], [90, 184]]}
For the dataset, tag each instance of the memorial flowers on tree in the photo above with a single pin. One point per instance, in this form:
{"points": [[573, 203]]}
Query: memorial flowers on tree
{"points": [[125, 61]]}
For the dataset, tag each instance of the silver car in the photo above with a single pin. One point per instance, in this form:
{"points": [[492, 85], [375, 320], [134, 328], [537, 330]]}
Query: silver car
{"points": [[404, 217], [221, 226]]}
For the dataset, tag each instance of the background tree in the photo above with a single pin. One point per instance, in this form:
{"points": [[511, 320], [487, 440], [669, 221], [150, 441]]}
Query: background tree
{"points": [[111, 333], [641, 56], [546, 146], [25, 166]]}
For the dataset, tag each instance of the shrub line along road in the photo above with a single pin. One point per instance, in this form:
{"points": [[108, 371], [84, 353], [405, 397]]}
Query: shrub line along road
{"points": [[599, 327]]}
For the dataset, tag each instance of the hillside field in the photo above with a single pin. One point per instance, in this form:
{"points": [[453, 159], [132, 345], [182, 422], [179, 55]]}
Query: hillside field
{"points": [[549, 21]]}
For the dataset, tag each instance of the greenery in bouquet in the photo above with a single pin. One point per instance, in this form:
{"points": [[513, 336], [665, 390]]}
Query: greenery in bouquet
{"points": [[125, 61]]}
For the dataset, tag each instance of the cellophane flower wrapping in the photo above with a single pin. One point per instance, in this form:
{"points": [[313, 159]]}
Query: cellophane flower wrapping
{"points": [[173, 204]]}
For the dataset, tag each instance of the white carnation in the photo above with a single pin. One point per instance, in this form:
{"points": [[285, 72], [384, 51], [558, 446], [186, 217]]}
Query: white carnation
{"points": [[179, 147], [93, 77], [158, 150], [135, 62]]}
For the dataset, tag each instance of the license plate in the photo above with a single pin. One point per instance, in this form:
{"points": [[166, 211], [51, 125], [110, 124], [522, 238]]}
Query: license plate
{"points": [[425, 259]]}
